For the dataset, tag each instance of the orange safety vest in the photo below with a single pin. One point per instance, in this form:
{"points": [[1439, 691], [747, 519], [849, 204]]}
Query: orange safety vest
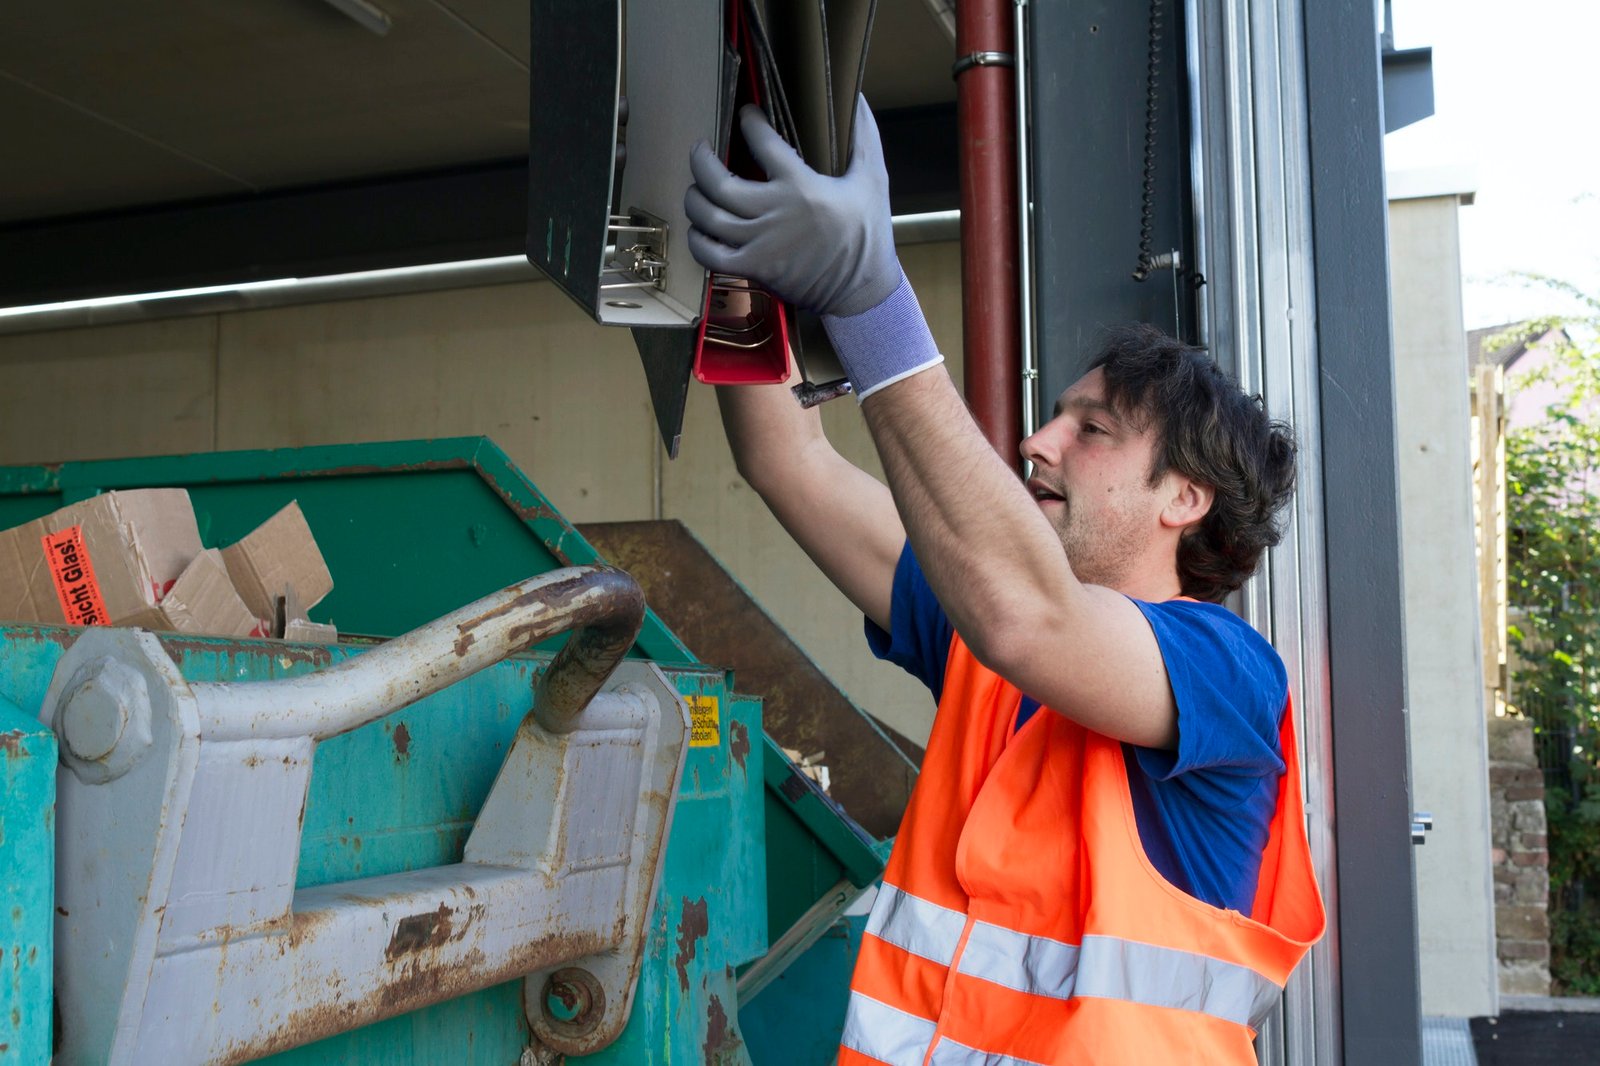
{"points": [[1020, 921]]}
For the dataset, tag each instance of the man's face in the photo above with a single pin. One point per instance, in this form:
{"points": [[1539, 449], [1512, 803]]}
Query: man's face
{"points": [[1091, 478]]}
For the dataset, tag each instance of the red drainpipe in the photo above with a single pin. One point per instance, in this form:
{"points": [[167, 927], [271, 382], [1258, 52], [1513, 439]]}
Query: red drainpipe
{"points": [[986, 117]]}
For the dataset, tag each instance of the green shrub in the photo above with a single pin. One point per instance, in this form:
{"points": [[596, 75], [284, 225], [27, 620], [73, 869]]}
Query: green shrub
{"points": [[1553, 582]]}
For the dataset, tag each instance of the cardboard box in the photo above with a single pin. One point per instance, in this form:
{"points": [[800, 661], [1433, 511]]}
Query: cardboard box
{"points": [[279, 557], [134, 558], [203, 600], [108, 560]]}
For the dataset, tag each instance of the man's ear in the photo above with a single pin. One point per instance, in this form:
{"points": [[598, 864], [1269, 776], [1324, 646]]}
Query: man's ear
{"points": [[1188, 503]]}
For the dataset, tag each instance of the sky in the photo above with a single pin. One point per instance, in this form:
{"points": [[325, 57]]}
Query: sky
{"points": [[1515, 108]]}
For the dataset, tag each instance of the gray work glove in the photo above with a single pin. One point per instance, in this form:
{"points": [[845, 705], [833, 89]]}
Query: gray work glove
{"points": [[822, 243]]}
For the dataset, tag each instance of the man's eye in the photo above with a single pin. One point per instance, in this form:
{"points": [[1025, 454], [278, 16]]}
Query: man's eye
{"points": [[1090, 427]]}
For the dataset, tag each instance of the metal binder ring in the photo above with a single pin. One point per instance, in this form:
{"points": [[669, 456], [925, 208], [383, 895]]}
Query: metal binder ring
{"points": [[981, 59]]}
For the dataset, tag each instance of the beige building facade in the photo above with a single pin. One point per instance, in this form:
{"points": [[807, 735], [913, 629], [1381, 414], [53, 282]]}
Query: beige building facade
{"points": [[518, 363], [1444, 664]]}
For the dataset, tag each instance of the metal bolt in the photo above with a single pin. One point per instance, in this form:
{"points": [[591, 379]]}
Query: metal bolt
{"points": [[565, 1001], [573, 999], [97, 713]]}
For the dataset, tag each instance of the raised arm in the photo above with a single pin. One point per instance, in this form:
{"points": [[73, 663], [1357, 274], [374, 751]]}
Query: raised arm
{"points": [[843, 517], [1003, 577], [995, 562]]}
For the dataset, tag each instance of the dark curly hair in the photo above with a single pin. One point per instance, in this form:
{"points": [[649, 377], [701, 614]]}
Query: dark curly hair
{"points": [[1207, 429]]}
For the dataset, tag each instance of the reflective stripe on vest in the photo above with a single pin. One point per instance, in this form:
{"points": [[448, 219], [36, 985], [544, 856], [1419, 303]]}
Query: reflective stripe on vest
{"points": [[882, 1032], [1103, 966], [879, 1031], [913, 924], [950, 1053]]}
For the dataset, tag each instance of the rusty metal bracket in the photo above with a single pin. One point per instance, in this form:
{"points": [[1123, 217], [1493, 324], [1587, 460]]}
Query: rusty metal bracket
{"points": [[179, 814]]}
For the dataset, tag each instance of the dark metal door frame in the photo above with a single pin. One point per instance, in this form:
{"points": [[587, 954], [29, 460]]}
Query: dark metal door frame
{"points": [[1289, 224], [1378, 962]]}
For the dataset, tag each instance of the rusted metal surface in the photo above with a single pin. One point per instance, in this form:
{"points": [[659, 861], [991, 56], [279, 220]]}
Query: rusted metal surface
{"points": [[315, 655], [692, 927], [574, 1002], [62, 636], [27, 857], [560, 869], [603, 607], [608, 624], [528, 512], [432, 955], [11, 744], [872, 768], [382, 801], [419, 932], [589, 833], [738, 742], [363, 469], [413, 814], [364, 951], [722, 1046], [402, 741]]}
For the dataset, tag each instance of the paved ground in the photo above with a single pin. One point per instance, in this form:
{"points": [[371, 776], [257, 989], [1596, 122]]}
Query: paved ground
{"points": [[1537, 1038], [1447, 1042]]}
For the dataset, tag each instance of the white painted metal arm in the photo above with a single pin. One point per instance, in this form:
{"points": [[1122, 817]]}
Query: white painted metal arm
{"points": [[181, 805], [603, 607]]}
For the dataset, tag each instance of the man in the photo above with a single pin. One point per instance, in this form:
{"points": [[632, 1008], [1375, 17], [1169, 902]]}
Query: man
{"points": [[1104, 860]]}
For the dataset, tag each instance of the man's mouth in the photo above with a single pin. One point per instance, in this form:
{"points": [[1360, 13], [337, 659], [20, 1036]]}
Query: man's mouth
{"points": [[1043, 492]]}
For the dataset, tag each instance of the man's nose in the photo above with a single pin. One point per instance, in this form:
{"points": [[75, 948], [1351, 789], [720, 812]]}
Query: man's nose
{"points": [[1042, 447]]}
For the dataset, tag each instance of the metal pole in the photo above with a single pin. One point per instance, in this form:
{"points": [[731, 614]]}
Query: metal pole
{"points": [[986, 121], [1194, 69], [1029, 385]]}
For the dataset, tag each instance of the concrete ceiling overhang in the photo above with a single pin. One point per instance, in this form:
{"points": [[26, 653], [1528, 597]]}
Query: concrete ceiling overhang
{"points": [[179, 141]]}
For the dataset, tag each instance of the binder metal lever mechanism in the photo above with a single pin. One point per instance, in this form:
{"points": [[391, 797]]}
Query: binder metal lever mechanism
{"points": [[619, 92]]}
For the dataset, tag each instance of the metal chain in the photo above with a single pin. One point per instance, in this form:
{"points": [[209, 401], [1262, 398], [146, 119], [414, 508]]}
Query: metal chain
{"points": [[1147, 211]]}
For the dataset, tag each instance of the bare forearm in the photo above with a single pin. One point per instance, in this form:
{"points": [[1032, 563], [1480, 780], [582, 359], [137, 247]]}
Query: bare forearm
{"points": [[766, 428], [997, 564], [841, 516], [989, 554], [1000, 571]]}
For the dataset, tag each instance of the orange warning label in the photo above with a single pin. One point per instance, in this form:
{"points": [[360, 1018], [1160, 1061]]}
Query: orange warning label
{"points": [[73, 575]]}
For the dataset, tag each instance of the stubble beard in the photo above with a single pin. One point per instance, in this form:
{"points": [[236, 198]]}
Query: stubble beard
{"points": [[1100, 552]]}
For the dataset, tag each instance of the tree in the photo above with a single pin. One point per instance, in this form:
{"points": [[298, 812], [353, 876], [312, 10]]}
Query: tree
{"points": [[1553, 578]]}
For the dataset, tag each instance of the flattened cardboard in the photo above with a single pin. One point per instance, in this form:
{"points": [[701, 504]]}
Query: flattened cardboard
{"points": [[279, 554], [298, 629], [204, 601], [138, 543], [165, 532], [294, 625]]}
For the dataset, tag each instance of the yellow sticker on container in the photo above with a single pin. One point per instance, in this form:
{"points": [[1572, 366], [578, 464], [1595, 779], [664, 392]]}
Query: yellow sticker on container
{"points": [[705, 726]]}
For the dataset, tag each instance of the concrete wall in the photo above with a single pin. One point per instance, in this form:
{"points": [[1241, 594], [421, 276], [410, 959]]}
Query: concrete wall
{"points": [[519, 363], [1449, 755]]}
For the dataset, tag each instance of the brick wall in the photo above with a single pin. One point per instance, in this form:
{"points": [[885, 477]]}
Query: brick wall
{"points": [[1521, 859]]}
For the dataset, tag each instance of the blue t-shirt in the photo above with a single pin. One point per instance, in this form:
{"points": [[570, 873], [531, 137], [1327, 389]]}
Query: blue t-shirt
{"points": [[1203, 809]]}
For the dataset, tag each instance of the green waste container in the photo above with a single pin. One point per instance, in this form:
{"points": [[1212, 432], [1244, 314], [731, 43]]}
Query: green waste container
{"points": [[749, 951]]}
